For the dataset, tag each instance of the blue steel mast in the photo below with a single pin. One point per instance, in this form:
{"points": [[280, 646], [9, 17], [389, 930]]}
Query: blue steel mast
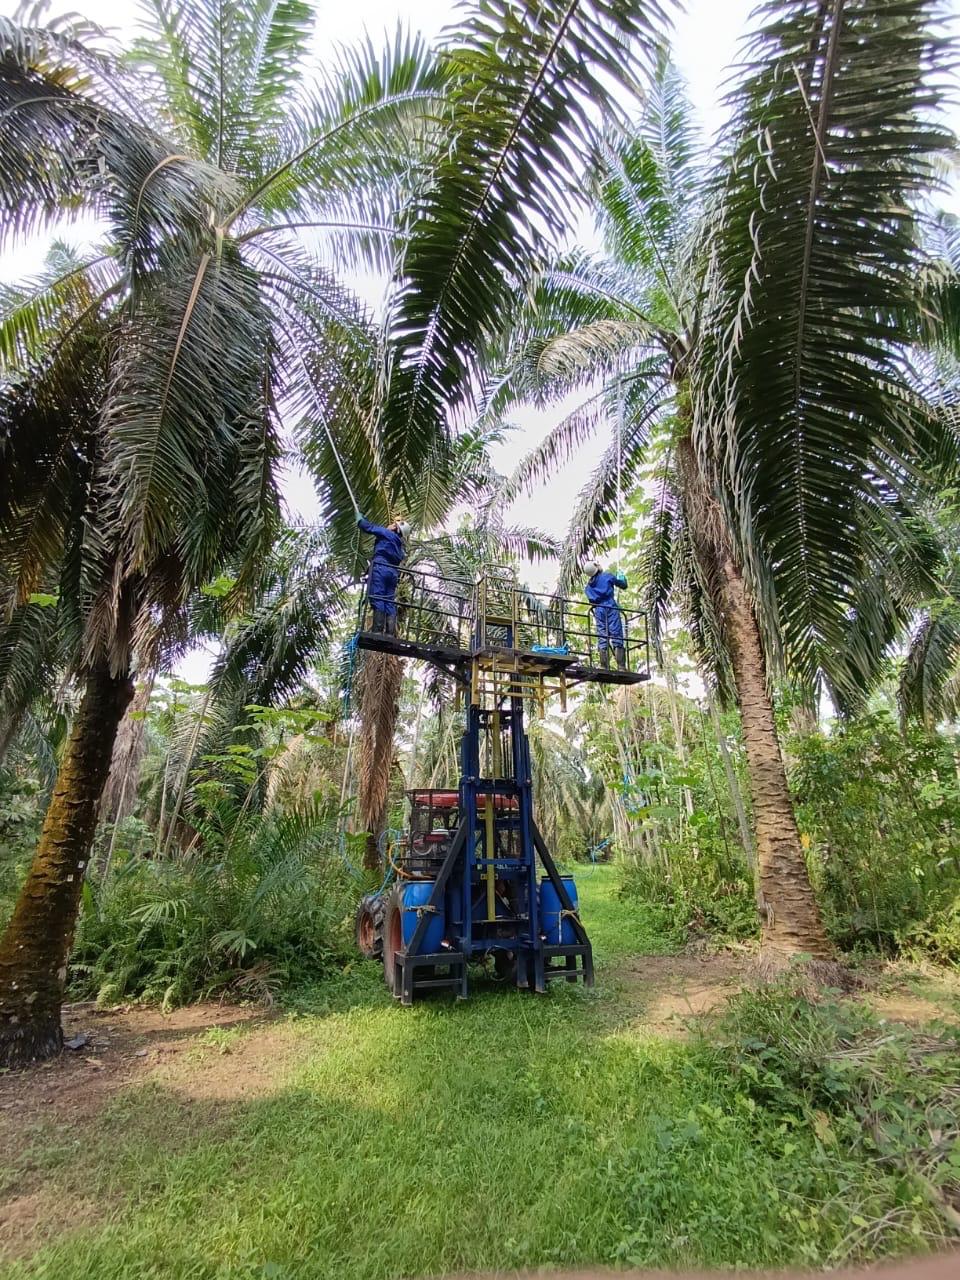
{"points": [[485, 895]]}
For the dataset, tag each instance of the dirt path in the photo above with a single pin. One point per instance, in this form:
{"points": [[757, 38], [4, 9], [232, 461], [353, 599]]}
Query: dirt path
{"points": [[122, 1046], [205, 1053], [663, 993]]}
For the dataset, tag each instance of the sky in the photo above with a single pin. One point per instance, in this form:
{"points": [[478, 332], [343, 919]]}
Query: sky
{"points": [[706, 37]]}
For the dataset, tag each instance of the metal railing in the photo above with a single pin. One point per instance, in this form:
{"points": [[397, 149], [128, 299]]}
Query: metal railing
{"points": [[497, 614], [432, 610], [508, 616]]}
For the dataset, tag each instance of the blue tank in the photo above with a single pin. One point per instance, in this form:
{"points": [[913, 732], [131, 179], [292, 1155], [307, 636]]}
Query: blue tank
{"points": [[557, 929], [416, 893]]}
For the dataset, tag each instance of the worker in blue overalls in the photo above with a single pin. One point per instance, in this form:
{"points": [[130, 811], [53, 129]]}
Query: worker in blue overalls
{"points": [[600, 590], [389, 553]]}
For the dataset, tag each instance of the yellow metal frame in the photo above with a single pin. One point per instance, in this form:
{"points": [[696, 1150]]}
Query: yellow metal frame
{"points": [[491, 853], [495, 678]]}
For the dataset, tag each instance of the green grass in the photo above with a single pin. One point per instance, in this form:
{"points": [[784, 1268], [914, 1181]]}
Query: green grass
{"points": [[503, 1132]]}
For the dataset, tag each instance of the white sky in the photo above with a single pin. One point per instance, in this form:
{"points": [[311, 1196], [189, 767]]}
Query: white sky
{"points": [[706, 38]]}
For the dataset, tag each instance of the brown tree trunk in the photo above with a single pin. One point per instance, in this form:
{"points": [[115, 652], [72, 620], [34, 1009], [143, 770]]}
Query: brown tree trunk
{"points": [[791, 918], [120, 793], [37, 940], [8, 731], [789, 913], [379, 707]]}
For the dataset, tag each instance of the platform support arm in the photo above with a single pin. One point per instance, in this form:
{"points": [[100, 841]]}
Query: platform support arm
{"points": [[565, 900]]}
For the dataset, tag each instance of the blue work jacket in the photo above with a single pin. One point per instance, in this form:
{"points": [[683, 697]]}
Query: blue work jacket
{"points": [[600, 588], [388, 544]]}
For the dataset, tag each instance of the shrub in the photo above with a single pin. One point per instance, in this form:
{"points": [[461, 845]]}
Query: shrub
{"points": [[703, 890], [880, 811], [879, 1094], [21, 813], [259, 902]]}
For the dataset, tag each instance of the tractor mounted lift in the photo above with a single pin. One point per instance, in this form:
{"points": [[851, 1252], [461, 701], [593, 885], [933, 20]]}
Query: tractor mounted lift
{"points": [[474, 877]]}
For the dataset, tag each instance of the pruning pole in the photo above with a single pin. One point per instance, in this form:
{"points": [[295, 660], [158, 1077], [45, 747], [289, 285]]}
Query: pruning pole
{"points": [[323, 422], [619, 476]]}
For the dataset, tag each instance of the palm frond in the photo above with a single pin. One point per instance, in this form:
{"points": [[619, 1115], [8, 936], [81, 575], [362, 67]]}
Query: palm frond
{"points": [[802, 391], [31, 645], [524, 74], [656, 547], [38, 312], [189, 419], [49, 453], [357, 139], [930, 665], [650, 181], [938, 284], [225, 71], [597, 505], [298, 604]]}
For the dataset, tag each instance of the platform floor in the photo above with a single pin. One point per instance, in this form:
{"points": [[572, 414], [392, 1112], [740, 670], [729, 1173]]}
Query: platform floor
{"points": [[449, 658]]}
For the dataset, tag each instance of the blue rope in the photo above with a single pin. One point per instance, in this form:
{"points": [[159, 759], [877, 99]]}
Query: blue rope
{"points": [[349, 657]]}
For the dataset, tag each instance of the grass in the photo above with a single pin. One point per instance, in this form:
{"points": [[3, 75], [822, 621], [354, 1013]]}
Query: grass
{"points": [[509, 1131]]}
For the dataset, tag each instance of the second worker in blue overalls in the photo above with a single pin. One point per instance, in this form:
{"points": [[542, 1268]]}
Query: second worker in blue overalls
{"points": [[389, 553], [600, 589]]}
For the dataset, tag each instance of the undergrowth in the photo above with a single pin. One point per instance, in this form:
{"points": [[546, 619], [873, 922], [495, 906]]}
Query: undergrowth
{"points": [[695, 896], [517, 1131], [260, 903]]}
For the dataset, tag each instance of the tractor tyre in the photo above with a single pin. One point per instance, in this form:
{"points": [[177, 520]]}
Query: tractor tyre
{"points": [[506, 965], [392, 935], [368, 927]]}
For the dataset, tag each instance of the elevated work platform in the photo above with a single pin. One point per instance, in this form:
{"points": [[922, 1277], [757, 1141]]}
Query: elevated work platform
{"points": [[497, 629], [475, 879]]}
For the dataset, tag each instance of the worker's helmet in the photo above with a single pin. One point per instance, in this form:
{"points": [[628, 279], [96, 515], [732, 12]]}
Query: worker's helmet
{"points": [[591, 567], [403, 528]]}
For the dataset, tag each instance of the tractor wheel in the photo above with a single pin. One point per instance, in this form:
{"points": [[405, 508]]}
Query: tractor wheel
{"points": [[368, 928], [506, 964], [392, 935]]}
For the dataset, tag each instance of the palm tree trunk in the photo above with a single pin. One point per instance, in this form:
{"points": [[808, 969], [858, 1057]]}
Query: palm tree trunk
{"points": [[791, 923], [8, 732], [37, 940], [379, 707], [789, 914], [129, 749]]}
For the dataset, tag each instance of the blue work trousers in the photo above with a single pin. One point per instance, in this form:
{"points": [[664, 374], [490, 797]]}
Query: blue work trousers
{"points": [[609, 622], [382, 587]]}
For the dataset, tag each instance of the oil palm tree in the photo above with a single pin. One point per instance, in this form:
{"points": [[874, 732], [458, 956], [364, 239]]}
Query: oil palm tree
{"points": [[140, 384], [756, 339]]}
